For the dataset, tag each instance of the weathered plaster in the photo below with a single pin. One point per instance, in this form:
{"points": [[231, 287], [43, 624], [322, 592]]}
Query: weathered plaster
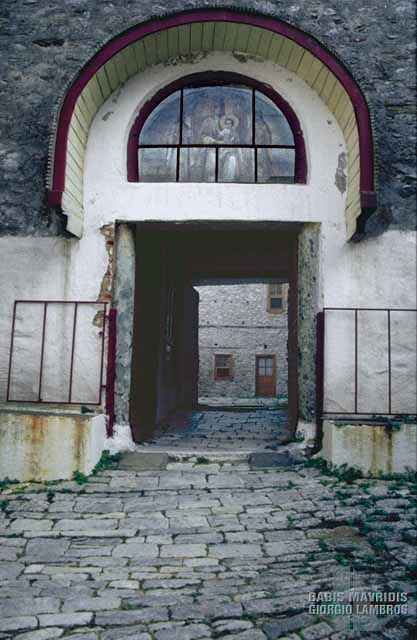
{"points": [[340, 178], [124, 290], [373, 449], [49, 446], [308, 306], [106, 286]]}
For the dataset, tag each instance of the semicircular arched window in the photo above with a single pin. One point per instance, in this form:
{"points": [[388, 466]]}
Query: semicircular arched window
{"points": [[218, 132]]}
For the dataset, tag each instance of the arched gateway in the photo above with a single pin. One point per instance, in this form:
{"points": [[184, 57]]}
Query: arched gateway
{"points": [[246, 126], [212, 148], [198, 33]]}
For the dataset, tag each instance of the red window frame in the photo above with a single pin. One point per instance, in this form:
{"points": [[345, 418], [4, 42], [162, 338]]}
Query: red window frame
{"points": [[217, 79]]}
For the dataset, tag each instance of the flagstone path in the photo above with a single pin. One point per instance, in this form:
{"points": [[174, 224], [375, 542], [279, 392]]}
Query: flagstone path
{"points": [[203, 550]]}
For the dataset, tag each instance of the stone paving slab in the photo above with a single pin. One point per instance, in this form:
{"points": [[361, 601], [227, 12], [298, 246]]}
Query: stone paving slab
{"points": [[246, 429], [137, 462], [203, 549]]}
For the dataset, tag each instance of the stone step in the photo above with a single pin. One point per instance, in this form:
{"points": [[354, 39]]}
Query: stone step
{"points": [[149, 460]]}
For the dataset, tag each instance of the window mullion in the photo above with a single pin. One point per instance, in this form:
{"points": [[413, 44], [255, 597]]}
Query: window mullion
{"points": [[181, 114], [216, 168], [253, 117]]}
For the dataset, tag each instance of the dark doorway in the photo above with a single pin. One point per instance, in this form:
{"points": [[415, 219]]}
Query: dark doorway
{"points": [[169, 258]]}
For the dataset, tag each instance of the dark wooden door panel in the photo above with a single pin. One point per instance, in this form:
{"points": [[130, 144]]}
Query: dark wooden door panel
{"points": [[265, 376], [146, 338], [189, 350]]}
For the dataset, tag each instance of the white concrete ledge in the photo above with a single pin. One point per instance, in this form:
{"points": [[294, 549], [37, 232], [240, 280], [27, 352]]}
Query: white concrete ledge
{"points": [[35, 446], [372, 448]]}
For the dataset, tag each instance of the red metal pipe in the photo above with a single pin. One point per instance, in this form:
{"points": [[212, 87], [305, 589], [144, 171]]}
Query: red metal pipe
{"points": [[100, 391], [111, 371], [74, 329], [319, 377], [11, 352], [45, 308]]}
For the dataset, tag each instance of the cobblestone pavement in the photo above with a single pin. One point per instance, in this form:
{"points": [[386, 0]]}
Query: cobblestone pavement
{"points": [[199, 551], [236, 429]]}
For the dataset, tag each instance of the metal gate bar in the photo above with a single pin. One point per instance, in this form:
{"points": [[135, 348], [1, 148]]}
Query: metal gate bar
{"points": [[320, 363], [46, 304]]}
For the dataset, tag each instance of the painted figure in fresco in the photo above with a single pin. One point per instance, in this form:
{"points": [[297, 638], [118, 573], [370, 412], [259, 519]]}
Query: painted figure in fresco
{"points": [[231, 159], [215, 119], [209, 124], [264, 136]]}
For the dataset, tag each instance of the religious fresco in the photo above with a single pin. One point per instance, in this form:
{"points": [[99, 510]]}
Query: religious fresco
{"points": [[216, 134]]}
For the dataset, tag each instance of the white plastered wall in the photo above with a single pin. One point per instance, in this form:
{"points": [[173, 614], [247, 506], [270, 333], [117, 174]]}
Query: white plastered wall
{"points": [[377, 272]]}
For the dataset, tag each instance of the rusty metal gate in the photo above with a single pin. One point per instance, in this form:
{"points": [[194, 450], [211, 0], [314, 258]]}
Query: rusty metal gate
{"points": [[58, 353], [366, 363]]}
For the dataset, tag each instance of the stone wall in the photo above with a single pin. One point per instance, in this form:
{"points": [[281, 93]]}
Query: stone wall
{"points": [[46, 43], [233, 319]]}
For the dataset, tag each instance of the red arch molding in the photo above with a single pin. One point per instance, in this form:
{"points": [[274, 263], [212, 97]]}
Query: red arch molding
{"points": [[366, 150], [213, 77]]}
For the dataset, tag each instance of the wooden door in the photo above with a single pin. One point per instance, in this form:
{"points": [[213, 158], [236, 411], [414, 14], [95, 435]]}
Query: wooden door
{"points": [[146, 337], [189, 349], [265, 376]]}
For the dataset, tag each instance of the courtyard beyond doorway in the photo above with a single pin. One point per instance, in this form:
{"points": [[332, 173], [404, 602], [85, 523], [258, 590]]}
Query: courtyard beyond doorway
{"points": [[223, 429]]}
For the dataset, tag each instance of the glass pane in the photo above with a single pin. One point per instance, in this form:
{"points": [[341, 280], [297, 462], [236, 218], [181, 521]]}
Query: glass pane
{"points": [[271, 126], [269, 368], [197, 165], [276, 165], [236, 165], [157, 165], [163, 124], [217, 115], [221, 361], [276, 303]]}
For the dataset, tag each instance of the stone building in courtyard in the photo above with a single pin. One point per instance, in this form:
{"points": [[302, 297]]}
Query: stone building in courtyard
{"points": [[143, 154], [243, 333]]}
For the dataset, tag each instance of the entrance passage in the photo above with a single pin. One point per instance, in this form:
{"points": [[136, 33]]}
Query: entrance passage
{"points": [[265, 376], [262, 426], [173, 370]]}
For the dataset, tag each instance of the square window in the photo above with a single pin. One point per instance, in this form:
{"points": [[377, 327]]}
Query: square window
{"points": [[277, 298], [223, 367], [276, 303]]}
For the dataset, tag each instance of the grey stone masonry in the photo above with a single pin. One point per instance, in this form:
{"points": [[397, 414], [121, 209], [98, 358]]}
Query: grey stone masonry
{"points": [[45, 43], [207, 548], [233, 319]]}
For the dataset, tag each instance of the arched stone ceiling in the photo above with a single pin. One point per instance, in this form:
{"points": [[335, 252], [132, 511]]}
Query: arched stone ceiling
{"points": [[185, 34]]}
